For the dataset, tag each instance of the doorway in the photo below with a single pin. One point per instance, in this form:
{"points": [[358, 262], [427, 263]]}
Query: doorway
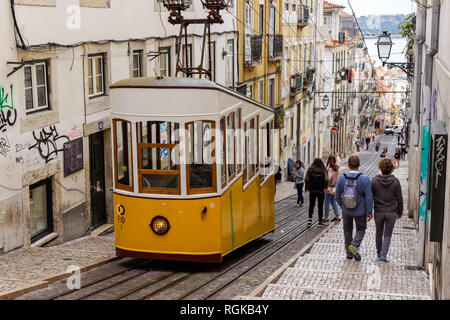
{"points": [[97, 179], [41, 210]]}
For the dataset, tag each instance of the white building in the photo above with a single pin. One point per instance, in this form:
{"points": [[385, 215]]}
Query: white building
{"points": [[55, 137]]}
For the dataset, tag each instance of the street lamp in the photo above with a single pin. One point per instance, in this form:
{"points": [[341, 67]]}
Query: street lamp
{"points": [[325, 102], [384, 45]]}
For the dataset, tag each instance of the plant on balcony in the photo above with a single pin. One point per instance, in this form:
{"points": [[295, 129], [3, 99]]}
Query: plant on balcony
{"points": [[279, 117]]}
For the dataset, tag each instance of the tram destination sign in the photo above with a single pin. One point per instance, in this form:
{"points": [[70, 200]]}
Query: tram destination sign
{"points": [[439, 145]]}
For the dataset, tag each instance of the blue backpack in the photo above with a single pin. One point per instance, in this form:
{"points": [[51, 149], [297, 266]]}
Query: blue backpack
{"points": [[350, 193]]}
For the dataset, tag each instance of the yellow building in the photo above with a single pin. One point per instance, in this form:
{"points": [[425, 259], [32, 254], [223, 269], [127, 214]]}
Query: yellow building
{"points": [[260, 50]]}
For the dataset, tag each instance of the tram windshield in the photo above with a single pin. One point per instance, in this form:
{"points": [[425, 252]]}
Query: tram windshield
{"points": [[158, 156]]}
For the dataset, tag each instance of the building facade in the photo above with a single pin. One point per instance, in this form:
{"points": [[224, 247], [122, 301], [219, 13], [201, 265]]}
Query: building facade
{"points": [[55, 124]]}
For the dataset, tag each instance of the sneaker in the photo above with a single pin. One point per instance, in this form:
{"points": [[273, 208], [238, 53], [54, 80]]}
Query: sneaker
{"points": [[335, 219], [309, 223], [321, 223], [297, 205], [383, 259], [354, 251], [301, 204], [350, 257]]}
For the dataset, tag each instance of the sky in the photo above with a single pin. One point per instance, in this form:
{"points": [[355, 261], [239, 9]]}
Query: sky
{"points": [[376, 7]]}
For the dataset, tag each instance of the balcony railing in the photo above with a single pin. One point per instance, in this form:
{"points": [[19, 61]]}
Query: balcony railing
{"points": [[275, 46], [303, 16], [253, 49], [296, 84]]}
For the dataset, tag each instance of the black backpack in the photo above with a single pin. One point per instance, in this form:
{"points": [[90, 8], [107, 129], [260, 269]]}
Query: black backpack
{"points": [[317, 182]]}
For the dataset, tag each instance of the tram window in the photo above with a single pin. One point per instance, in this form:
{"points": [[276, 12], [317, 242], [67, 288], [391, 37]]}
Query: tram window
{"points": [[200, 145], [223, 150], [158, 156], [238, 149], [251, 147], [231, 145], [266, 149], [122, 155]]}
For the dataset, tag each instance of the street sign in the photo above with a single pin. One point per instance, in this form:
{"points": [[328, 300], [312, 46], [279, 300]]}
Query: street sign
{"points": [[334, 130]]}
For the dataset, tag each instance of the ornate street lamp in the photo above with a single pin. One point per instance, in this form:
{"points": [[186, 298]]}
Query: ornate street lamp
{"points": [[325, 102], [384, 45]]}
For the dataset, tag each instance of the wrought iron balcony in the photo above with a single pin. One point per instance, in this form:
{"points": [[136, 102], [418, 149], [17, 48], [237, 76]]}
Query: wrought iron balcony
{"points": [[253, 49], [303, 16], [296, 84], [275, 46]]}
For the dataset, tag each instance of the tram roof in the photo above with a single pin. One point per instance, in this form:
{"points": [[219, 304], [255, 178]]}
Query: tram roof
{"points": [[182, 83]]}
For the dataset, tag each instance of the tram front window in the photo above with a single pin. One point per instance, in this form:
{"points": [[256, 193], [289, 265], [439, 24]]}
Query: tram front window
{"points": [[122, 156], [158, 157], [200, 145]]}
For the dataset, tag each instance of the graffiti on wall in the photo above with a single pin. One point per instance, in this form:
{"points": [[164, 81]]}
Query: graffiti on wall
{"points": [[8, 114], [4, 146], [48, 142]]}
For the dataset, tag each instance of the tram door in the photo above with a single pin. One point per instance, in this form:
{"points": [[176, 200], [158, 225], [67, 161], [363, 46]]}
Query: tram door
{"points": [[97, 180]]}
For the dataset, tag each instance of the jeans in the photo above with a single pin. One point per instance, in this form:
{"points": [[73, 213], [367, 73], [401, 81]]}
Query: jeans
{"points": [[300, 193], [361, 224], [312, 201], [384, 223], [329, 198]]}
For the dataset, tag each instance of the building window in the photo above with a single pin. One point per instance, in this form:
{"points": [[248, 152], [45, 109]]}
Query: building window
{"points": [[36, 87], [292, 127], [248, 18], [261, 90], [41, 215], [123, 161], [188, 63], [96, 76], [213, 61], [249, 91], [137, 63], [158, 157], [294, 7], [286, 5], [271, 92], [164, 62], [201, 165], [261, 19]]}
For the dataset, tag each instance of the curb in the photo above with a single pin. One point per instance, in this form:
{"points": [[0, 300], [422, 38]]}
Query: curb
{"points": [[278, 273], [45, 282]]}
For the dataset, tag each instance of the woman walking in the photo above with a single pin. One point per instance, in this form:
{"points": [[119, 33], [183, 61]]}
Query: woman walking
{"points": [[397, 156], [299, 175], [316, 182], [333, 173], [388, 206]]}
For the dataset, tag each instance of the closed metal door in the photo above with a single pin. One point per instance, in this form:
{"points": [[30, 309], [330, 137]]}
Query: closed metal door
{"points": [[97, 179]]}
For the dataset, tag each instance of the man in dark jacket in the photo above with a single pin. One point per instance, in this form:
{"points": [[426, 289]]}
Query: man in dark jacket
{"points": [[361, 212], [388, 206]]}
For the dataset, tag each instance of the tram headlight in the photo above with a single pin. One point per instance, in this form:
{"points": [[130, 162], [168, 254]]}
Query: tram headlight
{"points": [[160, 225]]}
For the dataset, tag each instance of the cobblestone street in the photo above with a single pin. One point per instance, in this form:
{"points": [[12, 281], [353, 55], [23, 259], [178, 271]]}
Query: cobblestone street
{"points": [[323, 273]]}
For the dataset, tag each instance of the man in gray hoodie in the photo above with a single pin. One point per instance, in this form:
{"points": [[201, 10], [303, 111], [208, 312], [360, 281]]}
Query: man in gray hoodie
{"points": [[388, 206]]}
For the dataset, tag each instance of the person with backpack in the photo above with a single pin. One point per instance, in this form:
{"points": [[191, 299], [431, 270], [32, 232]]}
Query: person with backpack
{"points": [[299, 175], [333, 173], [354, 195], [388, 206], [367, 142], [316, 182]]}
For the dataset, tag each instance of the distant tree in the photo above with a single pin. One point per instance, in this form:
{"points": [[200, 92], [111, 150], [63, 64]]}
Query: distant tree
{"points": [[408, 30]]}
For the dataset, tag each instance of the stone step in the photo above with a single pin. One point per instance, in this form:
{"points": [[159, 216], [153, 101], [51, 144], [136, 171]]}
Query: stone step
{"points": [[323, 264], [278, 292], [367, 252], [375, 282]]}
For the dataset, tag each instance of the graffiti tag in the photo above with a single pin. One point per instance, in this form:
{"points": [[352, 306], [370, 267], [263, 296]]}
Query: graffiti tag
{"points": [[440, 159], [48, 142], [4, 146], [8, 115]]}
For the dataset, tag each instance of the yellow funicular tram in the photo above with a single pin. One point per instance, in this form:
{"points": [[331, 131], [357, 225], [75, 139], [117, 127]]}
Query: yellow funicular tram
{"points": [[193, 169]]}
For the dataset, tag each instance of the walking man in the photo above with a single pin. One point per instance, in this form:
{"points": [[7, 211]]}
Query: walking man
{"points": [[367, 142], [354, 195], [358, 144]]}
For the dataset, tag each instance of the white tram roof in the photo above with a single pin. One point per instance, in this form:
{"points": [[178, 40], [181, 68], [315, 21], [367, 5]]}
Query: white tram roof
{"points": [[179, 97]]}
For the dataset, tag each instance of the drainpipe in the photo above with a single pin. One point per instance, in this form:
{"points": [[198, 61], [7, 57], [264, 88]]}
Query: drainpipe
{"points": [[424, 213], [315, 134]]}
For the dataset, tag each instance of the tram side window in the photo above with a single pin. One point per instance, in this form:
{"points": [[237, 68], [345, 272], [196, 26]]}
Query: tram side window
{"points": [[122, 155], [223, 149], [200, 145], [231, 146], [238, 148], [251, 146], [158, 156], [266, 157]]}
